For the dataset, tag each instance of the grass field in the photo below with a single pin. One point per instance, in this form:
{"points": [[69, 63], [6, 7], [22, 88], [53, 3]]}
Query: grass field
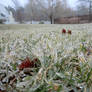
{"points": [[64, 62]]}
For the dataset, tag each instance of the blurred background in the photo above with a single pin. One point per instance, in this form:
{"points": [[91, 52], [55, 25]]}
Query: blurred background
{"points": [[45, 11]]}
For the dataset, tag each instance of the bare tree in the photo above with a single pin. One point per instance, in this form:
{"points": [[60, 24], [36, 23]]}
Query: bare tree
{"points": [[90, 10], [55, 8], [32, 10], [48, 7], [89, 7], [82, 9], [19, 11], [47, 10]]}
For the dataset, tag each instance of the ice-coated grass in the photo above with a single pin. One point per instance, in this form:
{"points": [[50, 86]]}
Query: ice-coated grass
{"points": [[65, 60]]}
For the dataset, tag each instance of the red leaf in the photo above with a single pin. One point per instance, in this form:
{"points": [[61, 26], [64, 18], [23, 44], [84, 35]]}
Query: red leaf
{"points": [[63, 31], [69, 32], [27, 63]]}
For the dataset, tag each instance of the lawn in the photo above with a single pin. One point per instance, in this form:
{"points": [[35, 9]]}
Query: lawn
{"points": [[39, 58]]}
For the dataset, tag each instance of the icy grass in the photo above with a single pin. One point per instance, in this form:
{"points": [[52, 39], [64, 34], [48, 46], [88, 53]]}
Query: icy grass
{"points": [[65, 65]]}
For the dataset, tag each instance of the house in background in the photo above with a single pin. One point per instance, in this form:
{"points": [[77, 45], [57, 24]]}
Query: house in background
{"points": [[81, 16], [72, 19], [4, 14]]}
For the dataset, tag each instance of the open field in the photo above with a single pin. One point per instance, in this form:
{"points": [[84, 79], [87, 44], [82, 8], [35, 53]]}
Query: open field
{"points": [[64, 62]]}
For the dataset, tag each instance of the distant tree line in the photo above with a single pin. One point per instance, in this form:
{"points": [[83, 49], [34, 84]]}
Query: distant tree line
{"points": [[85, 8], [50, 10]]}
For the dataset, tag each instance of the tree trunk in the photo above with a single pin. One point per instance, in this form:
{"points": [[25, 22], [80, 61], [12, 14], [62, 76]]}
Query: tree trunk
{"points": [[90, 11], [51, 19]]}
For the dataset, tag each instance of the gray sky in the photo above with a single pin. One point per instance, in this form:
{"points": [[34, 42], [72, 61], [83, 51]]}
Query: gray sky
{"points": [[9, 2], [71, 3]]}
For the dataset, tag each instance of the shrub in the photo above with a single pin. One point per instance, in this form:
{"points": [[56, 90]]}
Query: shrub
{"points": [[41, 22]]}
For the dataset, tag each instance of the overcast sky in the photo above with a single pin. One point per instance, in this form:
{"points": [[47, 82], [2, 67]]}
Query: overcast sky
{"points": [[71, 3], [9, 2]]}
